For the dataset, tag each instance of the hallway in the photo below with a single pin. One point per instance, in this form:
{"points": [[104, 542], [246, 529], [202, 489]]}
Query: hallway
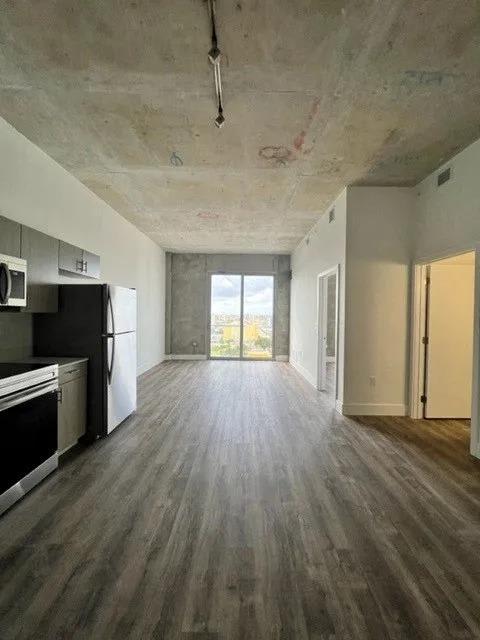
{"points": [[237, 503]]}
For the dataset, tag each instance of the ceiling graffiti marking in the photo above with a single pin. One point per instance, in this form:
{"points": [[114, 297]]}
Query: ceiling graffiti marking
{"points": [[279, 156]]}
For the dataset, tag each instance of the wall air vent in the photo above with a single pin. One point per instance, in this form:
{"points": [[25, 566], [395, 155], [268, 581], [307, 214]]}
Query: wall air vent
{"points": [[331, 216], [444, 176]]}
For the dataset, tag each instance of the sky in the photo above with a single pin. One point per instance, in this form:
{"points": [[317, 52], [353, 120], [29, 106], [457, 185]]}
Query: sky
{"points": [[258, 294]]}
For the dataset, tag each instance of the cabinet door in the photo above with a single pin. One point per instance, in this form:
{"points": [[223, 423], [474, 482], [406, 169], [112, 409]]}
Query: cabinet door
{"points": [[91, 263], [70, 258], [9, 237], [41, 253], [72, 413]]}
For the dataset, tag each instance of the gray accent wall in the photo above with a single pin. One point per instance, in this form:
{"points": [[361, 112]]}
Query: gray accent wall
{"points": [[187, 290], [15, 336]]}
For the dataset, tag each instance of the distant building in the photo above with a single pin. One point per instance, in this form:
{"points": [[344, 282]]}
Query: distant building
{"points": [[232, 332]]}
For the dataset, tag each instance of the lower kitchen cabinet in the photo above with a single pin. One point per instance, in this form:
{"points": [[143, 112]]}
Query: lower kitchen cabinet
{"points": [[72, 410]]}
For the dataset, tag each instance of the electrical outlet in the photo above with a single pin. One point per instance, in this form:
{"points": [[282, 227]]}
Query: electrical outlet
{"points": [[373, 381]]}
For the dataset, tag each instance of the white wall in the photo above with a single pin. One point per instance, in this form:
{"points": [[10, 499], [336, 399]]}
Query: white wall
{"points": [[38, 192], [382, 231], [371, 240], [325, 249], [448, 217], [377, 299], [447, 222]]}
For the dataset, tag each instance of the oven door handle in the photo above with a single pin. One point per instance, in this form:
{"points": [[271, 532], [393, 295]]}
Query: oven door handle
{"points": [[18, 398], [5, 293]]}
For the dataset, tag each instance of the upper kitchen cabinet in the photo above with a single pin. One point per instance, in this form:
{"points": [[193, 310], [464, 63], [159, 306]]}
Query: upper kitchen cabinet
{"points": [[76, 260], [41, 253], [70, 258], [10, 235], [91, 264]]}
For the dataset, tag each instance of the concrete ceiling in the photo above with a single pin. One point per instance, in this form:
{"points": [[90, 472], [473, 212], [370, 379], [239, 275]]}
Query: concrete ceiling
{"points": [[318, 94]]}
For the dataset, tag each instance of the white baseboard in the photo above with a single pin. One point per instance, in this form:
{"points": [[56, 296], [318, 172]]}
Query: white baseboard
{"points": [[304, 373], [370, 409], [143, 369], [281, 358], [339, 406], [187, 356]]}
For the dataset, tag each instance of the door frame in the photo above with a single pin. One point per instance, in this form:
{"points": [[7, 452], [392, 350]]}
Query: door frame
{"points": [[242, 275], [417, 332], [321, 326]]}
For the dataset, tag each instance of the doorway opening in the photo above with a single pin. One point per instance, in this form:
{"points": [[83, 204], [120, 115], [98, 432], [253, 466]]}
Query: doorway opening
{"points": [[328, 331], [443, 339], [241, 317]]}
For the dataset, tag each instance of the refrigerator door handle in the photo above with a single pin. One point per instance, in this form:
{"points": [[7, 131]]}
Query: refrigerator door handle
{"points": [[110, 306], [112, 359]]}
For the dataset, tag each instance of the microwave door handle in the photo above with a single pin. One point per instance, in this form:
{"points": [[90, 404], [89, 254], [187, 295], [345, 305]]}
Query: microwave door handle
{"points": [[5, 295]]}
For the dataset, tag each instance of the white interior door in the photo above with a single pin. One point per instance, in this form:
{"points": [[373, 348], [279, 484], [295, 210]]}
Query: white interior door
{"points": [[322, 332], [450, 341]]}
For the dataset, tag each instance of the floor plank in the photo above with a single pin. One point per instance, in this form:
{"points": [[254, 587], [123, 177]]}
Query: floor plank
{"points": [[237, 504]]}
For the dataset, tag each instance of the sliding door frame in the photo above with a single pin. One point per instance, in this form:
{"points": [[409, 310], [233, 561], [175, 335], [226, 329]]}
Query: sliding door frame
{"points": [[242, 275]]}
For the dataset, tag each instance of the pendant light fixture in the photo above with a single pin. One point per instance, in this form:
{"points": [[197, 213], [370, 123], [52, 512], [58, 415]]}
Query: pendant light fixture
{"points": [[214, 55]]}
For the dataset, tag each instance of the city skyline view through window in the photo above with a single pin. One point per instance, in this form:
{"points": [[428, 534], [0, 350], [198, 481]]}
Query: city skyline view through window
{"points": [[234, 334]]}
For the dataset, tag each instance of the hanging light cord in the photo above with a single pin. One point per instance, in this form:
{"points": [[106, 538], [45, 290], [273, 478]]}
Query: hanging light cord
{"points": [[214, 56], [212, 18]]}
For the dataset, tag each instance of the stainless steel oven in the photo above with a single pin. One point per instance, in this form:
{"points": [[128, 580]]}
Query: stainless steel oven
{"points": [[28, 428], [13, 282]]}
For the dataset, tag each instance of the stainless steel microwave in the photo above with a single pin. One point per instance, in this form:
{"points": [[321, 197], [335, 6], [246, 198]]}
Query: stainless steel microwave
{"points": [[13, 282]]}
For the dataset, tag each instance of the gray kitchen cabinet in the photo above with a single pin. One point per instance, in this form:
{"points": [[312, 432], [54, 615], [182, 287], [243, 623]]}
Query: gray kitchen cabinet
{"points": [[70, 258], [10, 235], [41, 253], [72, 407], [76, 260], [91, 263]]}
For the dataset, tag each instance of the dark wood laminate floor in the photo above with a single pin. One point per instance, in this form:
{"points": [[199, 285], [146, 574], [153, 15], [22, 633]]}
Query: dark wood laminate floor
{"points": [[237, 504]]}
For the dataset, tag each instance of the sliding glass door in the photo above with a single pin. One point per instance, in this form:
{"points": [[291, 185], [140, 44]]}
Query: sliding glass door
{"points": [[225, 316], [258, 317], [241, 317]]}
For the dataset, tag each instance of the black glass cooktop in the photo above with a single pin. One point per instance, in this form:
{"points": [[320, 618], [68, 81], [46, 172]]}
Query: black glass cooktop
{"points": [[8, 369]]}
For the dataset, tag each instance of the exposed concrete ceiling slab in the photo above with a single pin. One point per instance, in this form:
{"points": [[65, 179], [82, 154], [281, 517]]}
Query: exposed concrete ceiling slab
{"points": [[318, 94]]}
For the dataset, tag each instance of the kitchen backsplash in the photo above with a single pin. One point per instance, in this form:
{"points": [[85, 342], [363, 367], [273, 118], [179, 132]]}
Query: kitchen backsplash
{"points": [[16, 336]]}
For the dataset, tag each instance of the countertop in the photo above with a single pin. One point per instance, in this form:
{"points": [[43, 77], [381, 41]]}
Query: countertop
{"points": [[61, 362]]}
